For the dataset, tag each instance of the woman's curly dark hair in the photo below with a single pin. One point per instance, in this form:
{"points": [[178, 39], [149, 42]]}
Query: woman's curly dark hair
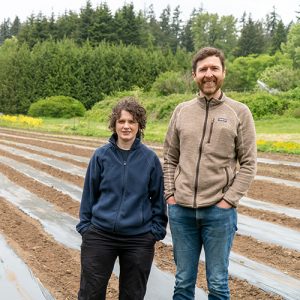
{"points": [[131, 105]]}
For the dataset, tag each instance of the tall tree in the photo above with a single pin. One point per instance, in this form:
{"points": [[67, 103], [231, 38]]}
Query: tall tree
{"points": [[103, 28], [165, 26], [52, 27], [211, 30], [186, 38], [176, 27], [68, 26], [15, 26], [154, 29], [86, 21], [292, 46], [41, 28], [271, 22], [279, 37], [165, 20], [298, 15], [5, 32], [127, 25], [26, 34], [251, 40]]}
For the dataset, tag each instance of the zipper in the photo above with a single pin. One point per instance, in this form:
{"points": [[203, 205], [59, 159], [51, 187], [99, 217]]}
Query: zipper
{"points": [[200, 153], [211, 129], [123, 192]]}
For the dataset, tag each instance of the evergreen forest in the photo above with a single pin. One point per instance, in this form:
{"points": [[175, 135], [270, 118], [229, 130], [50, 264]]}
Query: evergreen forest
{"points": [[95, 53]]}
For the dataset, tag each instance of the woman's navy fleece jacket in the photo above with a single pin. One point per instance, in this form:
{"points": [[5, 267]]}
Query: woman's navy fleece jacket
{"points": [[124, 197]]}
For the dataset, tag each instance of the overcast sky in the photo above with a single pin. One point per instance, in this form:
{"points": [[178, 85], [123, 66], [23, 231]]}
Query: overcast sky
{"points": [[286, 9]]}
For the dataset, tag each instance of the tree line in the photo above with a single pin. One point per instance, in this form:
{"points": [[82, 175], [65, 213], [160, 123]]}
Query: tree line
{"points": [[94, 53], [142, 28], [85, 72]]}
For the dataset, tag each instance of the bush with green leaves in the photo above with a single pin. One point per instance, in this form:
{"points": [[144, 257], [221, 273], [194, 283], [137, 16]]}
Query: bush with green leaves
{"points": [[293, 94], [296, 113], [281, 77], [57, 107], [265, 105], [157, 107], [262, 104], [172, 82]]}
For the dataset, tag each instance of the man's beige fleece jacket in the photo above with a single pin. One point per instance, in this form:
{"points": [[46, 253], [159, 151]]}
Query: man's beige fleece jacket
{"points": [[205, 143]]}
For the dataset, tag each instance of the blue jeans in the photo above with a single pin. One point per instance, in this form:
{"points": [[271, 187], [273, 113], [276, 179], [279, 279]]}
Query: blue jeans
{"points": [[214, 229]]}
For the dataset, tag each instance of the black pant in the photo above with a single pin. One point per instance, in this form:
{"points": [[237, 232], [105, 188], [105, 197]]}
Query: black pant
{"points": [[99, 251]]}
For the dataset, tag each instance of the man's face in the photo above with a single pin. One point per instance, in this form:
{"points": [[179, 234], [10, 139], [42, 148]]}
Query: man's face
{"points": [[209, 76]]}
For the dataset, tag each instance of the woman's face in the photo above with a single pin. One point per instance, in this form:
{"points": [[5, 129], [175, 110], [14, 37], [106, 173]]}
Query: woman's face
{"points": [[126, 128]]}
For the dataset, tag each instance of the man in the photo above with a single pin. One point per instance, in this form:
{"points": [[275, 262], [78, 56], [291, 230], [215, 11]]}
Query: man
{"points": [[122, 211], [206, 138]]}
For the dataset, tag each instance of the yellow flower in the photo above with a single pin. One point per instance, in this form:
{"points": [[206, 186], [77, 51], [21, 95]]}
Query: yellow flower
{"points": [[22, 120]]}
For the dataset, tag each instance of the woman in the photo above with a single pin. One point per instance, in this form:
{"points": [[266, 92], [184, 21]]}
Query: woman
{"points": [[122, 212]]}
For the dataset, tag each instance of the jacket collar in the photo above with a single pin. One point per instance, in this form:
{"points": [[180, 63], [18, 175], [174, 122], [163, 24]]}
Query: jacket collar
{"points": [[212, 101], [114, 137]]}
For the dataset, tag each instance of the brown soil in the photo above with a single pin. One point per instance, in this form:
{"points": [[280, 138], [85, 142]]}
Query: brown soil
{"points": [[280, 156], [72, 161], [275, 193], [58, 267], [286, 172], [240, 289], [280, 219], [45, 168]]}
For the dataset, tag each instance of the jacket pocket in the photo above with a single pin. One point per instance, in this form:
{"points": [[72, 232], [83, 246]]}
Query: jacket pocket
{"points": [[210, 130], [228, 178]]}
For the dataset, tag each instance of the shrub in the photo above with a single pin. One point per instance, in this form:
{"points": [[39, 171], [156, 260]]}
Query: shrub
{"points": [[281, 77], [172, 83], [265, 105], [296, 113], [57, 107], [293, 94]]}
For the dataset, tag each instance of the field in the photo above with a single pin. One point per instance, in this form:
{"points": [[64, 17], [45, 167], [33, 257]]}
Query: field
{"points": [[41, 176]]}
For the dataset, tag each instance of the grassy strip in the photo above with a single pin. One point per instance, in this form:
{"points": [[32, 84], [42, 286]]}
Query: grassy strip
{"points": [[271, 132], [280, 147]]}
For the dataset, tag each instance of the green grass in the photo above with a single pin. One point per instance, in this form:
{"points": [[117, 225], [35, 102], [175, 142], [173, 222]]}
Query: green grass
{"points": [[279, 125], [156, 131]]}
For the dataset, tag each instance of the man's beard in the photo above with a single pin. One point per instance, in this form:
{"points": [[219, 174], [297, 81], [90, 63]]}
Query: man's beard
{"points": [[210, 87]]}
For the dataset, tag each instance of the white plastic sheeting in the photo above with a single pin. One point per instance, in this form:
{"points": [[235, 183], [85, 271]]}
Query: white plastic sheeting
{"points": [[260, 274], [278, 181], [68, 167], [48, 151], [278, 162], [62, 227], [248, 226], [16, 280], [44, 138], [58, 164], [269, 232], [70, 189], [261, 230], [263, 205]]}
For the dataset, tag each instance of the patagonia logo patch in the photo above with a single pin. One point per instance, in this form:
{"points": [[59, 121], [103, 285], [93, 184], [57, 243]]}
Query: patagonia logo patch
{"points": [[222, 120]]}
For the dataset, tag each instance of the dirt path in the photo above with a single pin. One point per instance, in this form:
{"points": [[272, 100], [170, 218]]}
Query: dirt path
{"points": [[58, 267]]}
